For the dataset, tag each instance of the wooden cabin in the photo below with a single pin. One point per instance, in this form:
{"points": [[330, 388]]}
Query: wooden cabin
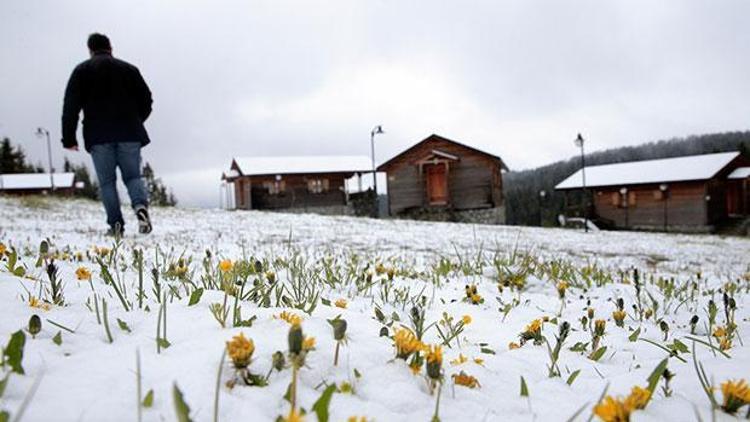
{"points": [[438, 178], [307, 184], [38, 183], [692, 193]]}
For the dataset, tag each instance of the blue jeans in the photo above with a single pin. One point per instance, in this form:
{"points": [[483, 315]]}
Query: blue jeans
{"points": [[126, 156]]}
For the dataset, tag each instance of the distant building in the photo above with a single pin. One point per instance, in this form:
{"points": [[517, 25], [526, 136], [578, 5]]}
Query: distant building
{"points": [[442, 179], [37, 183], [692, 193], [308, 184]]}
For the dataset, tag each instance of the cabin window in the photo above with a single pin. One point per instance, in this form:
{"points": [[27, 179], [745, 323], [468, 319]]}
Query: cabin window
{"points": [[631, 199], [615, 198], [275, 187], [658, 195], [317, 185]]}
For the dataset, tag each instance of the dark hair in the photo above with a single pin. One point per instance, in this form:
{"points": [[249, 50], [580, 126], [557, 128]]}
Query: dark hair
{"points": [[98, 42]]}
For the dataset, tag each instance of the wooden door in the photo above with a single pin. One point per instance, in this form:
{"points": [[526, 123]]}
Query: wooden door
{"points": [[437, 184], [734, 198]]}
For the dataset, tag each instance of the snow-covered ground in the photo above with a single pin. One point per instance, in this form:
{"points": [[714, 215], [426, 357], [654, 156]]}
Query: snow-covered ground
{"points": [[87, 378]]}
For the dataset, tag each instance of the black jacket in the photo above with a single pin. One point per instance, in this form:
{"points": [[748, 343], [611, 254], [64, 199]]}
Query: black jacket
{"points": [[115, 101]]}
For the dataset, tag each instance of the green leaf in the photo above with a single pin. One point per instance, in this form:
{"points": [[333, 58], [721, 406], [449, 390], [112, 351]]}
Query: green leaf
{"points": [[635, 334], [57, 339], [579, 347], [195, 297], [653, 379], [524, 388], [163, 343], [288, 394], [148, 401], [598, 353], [357, 374], [4, 384], [14, 351], [180, 407], [573, 376], [487, 350], [19, 271], [123, 325], [4, 416], [320, 407], [325, 301], [679, 346]]}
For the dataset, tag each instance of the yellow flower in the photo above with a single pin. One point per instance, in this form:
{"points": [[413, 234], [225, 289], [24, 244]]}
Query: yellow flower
{"points": [[341, 303], [293, 416], [736, 394], [102, 252], [289, 317], [36, 303], [612, 410], [226, 265], [466, 319], [415, 366], [380, 268], [534, 327], [240, 349], [308, 343], [720, 332], [476, 299], [479, 361], [271, 276], [618, 315], [513, 345], [461, 359], [3, 248], [465, 380], [725, 344], [561, 288], [406, 343], [599, 327], [356, 419], [638, 398], [83, 274], [435, 354]]}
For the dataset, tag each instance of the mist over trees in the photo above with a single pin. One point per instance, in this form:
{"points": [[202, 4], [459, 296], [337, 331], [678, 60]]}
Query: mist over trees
{"points": [[525, 206]]}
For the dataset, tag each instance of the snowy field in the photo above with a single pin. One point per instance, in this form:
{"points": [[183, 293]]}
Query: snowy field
{"points": [[208, 275]]}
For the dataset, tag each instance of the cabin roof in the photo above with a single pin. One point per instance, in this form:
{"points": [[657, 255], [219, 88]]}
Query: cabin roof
{"points": [[740, 173], [678, 169], [264, 166], [385, 165], [18, 181]]}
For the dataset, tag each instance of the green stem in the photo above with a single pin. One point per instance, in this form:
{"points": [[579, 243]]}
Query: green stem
{"points": [[106, 321]]}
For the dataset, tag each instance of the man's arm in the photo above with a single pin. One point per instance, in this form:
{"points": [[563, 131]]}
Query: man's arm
{"points": [[143, 99], [71, 110]]}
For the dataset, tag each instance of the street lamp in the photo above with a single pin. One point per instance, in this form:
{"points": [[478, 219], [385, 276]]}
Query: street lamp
{"points": [[377, 130], [40, 132], [579, 143], [624, 193], [542, 195], [664, 196]]}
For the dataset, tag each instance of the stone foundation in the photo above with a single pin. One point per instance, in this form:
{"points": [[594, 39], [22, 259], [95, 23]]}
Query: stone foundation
{"points": [[475, 216]]}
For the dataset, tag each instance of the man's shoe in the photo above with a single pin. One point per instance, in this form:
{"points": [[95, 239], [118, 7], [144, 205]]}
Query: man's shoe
{"points": [[144, 222], [116, 230]]}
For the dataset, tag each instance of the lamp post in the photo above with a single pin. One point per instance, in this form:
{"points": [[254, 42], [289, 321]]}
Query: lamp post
{"points": [[542, 195], [665, 197], [40, 132], [377, 130], [624, 194], [579, 143]]}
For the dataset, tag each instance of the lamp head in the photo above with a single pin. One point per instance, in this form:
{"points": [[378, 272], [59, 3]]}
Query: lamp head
{"points": [[377, 130], [579, 140]]}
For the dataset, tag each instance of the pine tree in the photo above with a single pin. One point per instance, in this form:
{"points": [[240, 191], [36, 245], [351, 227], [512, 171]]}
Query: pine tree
{"points": [[157, 192]]}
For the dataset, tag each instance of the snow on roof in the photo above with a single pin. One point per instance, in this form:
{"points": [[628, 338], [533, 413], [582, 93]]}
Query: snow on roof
{"points": [[693, 167], [258, 166], [35, 180], [739, 173]]}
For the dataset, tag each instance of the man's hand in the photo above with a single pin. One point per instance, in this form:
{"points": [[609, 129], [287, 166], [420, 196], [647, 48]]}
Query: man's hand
{"points": [[73, 148]]}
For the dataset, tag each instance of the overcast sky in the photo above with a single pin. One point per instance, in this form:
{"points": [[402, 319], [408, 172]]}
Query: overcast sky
{"points": [[519, 79]]}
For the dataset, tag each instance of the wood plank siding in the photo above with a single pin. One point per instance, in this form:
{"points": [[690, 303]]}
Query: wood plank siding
{"points": [[474, 178], [290, 191]]}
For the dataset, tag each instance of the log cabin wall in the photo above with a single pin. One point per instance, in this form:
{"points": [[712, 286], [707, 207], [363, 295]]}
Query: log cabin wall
{"points": [[684, 203], [293, 192], [474, 180]]}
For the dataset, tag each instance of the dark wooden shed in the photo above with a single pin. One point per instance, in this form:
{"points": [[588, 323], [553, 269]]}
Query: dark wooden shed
{"points": [[691, 193], [439, 176], [311, 184]]}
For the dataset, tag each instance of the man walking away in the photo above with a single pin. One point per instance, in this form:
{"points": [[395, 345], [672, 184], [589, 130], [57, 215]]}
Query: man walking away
{"points": [[116, 102]]}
